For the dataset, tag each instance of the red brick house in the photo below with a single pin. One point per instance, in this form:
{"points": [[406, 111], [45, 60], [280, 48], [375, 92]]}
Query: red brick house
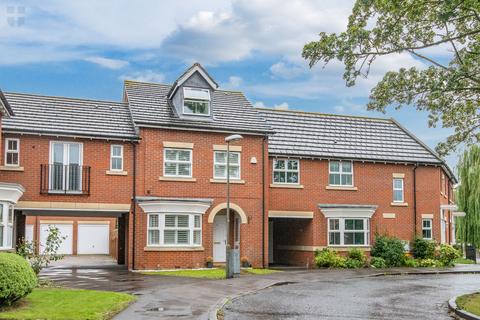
{"points": [[152, 171]]}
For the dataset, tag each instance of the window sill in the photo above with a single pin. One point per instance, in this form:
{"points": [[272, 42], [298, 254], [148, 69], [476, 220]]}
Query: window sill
{"points": [[7, 250], [234, 181], [178, 179], [346, 188], [286, 186], [348, 247], [174, 249], [116, 173], [11, 168], [399, 204]]}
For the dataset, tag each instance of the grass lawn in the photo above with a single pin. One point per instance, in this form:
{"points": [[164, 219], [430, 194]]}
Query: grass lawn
{"points": [[463, 261], [54, 303], [470, 303], [207, 273]]}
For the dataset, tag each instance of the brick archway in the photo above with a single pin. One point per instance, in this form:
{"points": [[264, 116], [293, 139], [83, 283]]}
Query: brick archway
{"points": [[233, 207]]}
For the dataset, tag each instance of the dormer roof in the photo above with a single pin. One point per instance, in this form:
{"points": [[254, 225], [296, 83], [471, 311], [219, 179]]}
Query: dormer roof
{"points": [[196, 67], [5, 108]]}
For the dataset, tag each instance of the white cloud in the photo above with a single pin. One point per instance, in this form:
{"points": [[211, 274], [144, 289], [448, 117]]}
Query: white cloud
{"points": [[144, 76], [234, 82], [108, 63], [259, 104], [281, 106], [339, 109], [283, 71]]}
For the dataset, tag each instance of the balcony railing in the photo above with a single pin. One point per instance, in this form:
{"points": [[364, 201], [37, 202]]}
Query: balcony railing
{"points": [[64, 179]]}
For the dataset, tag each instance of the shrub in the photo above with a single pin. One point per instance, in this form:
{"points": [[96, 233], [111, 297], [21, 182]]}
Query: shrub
{"points": [[353, 263], [377, 262], [423, 249], [17, 278], [428, 263], [410, 262], [328, 258], [391, 249], [357, 254], [448, 255]]}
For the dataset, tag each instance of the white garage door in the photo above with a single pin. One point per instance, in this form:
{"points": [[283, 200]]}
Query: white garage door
{"points": [[93, 238], [66, 230]]}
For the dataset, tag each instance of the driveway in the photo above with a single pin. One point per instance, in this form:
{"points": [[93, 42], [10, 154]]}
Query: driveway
{"points": [[386, 297]]}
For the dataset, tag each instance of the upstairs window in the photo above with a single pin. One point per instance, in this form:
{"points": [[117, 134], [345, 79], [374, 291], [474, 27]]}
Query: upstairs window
{"points": [[196, 101], [116, 158], [442, 181], [220, 165], [286, 171], [340, 173], [12, 151], [177, 163], [397, 190]]}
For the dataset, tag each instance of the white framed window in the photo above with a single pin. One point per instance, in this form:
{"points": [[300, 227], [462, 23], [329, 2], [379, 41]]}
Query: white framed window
{"points": [[286, 171], [340, 173], [177, 163], [12, 152], [348, 231], [116, 157], [427, 229], [398, 195], [174, 229], [220, 165], [196, 101], [66, 160], [6, 226]]}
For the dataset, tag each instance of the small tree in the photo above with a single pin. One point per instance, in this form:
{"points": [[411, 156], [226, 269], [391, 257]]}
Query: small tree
{"points": [[468, 197], [40, 258]]}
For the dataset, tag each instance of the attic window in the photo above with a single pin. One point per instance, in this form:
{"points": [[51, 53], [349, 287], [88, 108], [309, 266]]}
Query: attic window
{"points": [[196, 101]]}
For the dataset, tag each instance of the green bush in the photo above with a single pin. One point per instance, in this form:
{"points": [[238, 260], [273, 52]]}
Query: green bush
{"points": [[410, 262], [377, 262], [391, 249], [357, 254], [424, 263], [354, 263], [448, 255], [328, 258], [17, 278], [423, 249]]}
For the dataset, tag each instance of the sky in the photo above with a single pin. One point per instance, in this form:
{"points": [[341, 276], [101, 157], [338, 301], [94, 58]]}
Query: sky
{"points": [[87, 49]]}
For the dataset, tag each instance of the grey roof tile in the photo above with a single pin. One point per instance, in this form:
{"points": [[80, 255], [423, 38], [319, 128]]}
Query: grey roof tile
{"points": [[231, 110], [69, 116]]}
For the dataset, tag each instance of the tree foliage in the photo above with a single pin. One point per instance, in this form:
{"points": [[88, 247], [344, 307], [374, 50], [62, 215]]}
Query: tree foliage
{"points": [[448, 88], [468, 197]]}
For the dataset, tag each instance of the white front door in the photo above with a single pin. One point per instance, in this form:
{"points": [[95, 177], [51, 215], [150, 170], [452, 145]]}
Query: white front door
{"points": [[219, 238], [65, 230], [93, 238]]}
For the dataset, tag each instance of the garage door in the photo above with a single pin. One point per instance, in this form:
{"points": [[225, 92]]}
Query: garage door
{"points": [[93, 238], [65, 230]]}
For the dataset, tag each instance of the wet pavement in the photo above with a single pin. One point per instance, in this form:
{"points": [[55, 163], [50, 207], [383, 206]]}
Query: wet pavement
{"points": [[356, 297]]}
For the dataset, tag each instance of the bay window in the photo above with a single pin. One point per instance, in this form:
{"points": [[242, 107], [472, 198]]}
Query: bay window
{"points": [[348, 231], [177, 163], [340, 173], [6, 226], [220, 165], [286, 171], [179, 229]]}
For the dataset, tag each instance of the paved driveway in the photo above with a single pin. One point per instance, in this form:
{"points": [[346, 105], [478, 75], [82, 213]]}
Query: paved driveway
{"points": [[389, 297]]}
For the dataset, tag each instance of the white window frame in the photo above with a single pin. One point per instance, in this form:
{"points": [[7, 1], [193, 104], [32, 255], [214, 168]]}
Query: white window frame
{"points": [[66, 151], [165, 161], [429, 228], [340, 172], [161, 228], [402, 189], [112, 147], [7, 151], [286, 170], [239, 165], [7, 239], [342, 231], [186, 111]]}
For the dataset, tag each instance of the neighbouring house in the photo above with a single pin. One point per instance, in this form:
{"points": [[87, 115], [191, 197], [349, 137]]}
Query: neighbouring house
{"points": [[144, 180]]}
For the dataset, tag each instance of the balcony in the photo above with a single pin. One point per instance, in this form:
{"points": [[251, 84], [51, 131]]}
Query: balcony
{"points": [[71, 179]]}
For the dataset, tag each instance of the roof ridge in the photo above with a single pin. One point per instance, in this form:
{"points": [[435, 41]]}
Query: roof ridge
{"points": [[64, 97], [313, 113], [170, 85]]}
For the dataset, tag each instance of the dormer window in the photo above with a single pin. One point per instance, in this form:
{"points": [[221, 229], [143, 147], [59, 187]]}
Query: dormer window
{"points": [[196, 101]]}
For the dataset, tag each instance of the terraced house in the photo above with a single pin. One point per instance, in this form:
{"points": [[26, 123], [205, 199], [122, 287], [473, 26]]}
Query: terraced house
{"points": [[144, 180]]}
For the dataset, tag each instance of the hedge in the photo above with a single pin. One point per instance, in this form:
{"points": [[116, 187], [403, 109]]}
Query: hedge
{"points": [[17, 278]]}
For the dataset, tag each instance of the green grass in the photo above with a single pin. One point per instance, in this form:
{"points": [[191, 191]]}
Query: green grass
{"points": [[470, 303], [208, 273], [463, 261], [54, 303]]}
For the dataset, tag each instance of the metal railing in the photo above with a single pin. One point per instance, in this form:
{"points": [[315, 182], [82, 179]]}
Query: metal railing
{"points": [[64, 179]]}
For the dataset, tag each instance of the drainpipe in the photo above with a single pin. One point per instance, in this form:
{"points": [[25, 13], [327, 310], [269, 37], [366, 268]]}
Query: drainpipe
{"points": [[415, 200], [134, 199], [263, 201]]}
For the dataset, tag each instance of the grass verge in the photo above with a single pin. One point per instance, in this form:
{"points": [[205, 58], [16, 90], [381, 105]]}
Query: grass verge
{"points": [[463, 261], [55, 303], [470, 303], [208, 273]]}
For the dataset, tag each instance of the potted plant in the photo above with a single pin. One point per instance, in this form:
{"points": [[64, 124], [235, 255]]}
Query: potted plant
{"points": [[209, 262], [245, 263]]}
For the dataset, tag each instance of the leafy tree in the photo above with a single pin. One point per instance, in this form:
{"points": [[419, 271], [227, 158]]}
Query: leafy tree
{"points": [[448, 89], [468, 197]]}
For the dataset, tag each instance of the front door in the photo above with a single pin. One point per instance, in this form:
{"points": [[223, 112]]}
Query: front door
{"points": [[219, 238]]}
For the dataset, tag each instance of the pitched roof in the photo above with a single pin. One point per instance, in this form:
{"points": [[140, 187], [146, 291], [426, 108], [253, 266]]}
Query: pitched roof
{"points": [[196, 67], [345, 137], [69, 116], [231, 110]]}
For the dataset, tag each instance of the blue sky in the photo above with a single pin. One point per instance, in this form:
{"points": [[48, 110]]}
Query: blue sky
{"points": [[87, 48]]}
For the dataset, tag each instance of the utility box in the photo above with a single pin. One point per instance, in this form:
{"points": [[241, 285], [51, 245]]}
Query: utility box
{"points": [[235, 262], [471, 253]]}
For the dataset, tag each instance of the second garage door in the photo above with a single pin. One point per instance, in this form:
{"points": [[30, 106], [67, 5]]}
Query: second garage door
{"points": [[93, 238], [65, 230]]}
